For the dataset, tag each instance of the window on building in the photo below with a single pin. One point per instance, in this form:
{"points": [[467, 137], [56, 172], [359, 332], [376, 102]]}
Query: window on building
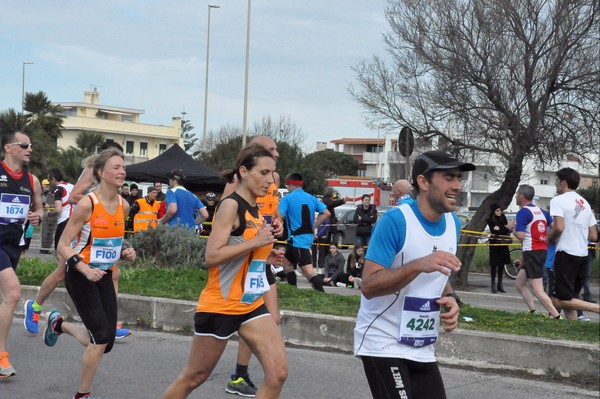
{"points": [[129, 147], [544, 182], [143, 149], [374, 148], [162, 148]]}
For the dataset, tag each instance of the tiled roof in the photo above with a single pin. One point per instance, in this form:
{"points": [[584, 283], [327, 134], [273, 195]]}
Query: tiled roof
{"points": [[375, 140]]}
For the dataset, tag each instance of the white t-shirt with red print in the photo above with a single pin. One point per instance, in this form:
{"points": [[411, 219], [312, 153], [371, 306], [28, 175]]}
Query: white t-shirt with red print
{"points": [[578, 218]]}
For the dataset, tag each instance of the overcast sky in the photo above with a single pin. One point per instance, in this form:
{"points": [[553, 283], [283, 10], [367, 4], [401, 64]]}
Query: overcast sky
{"points": [[151, 55]]}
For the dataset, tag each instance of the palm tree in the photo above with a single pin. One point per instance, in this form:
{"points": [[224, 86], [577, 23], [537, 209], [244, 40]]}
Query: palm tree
{"points": [[89, 141], [11, 121], [69, 161], [42, 115], [43, 124]]}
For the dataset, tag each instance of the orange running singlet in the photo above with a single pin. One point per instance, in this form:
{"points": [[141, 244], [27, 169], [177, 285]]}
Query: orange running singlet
{"points": [[269, 203], [102, 248], [224, 290]]}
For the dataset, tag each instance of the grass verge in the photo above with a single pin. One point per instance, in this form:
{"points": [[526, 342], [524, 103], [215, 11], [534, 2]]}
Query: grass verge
{"points": [[186, 283]]}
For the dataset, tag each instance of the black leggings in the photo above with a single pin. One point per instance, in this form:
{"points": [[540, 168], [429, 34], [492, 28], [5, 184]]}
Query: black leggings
{"points": [[96, 304], [394, 378], [497, 269]]}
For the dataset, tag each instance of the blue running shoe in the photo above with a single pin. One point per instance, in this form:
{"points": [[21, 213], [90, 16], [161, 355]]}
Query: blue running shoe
{"points": [[32, 318], [50, 335], [122, 332]]}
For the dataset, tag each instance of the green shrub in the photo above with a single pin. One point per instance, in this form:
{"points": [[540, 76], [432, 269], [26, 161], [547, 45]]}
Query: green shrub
{"points": [[33, 271], [167, 247]]}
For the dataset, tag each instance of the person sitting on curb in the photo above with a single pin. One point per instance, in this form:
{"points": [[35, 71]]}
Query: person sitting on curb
{"points": [[334, 268]]}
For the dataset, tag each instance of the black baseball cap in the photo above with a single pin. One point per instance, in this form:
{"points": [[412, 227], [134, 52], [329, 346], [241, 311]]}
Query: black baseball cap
{"points": [[437, 160]]}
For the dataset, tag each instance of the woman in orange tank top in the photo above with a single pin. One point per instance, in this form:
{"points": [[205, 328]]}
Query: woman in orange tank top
{"points": [[236, 254], [89, 276]]}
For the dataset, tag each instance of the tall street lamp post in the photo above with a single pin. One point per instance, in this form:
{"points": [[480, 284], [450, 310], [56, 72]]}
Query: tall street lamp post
{"points": [[23, 85], [244, 129], [206, 80]]}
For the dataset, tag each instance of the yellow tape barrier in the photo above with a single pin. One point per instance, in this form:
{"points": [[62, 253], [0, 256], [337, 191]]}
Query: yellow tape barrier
{"points": [[479, 234]]}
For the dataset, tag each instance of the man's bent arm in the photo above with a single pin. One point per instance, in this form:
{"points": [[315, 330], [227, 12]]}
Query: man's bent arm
{"points": [[558, 226], [379, 280]]}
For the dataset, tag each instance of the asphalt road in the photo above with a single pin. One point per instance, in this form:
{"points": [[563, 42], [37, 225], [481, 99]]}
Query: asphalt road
{"points": [[143, 365]]}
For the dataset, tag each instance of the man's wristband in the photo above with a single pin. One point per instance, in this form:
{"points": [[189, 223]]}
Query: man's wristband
{"points": [[73, 261], [453, 295]]}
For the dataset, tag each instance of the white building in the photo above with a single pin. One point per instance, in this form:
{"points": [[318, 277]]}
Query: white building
{"points": [[379, 158]]}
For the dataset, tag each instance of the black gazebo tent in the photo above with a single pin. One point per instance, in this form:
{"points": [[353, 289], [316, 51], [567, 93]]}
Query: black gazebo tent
{"points": [[198, 177]]}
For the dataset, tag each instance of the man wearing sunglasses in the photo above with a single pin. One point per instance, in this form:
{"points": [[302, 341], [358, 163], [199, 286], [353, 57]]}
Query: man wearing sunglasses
{"points": [[20, 202]]}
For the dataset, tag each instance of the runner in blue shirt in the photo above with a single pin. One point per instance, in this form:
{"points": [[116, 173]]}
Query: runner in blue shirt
{"points": [[298, 208], [182, 205]]}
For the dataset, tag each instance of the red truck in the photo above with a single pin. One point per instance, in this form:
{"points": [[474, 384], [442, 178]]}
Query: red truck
{"points": [[352, 188]]}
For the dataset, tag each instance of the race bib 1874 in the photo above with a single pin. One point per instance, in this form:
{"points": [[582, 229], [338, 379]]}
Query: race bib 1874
{"points": [[14, 208]]}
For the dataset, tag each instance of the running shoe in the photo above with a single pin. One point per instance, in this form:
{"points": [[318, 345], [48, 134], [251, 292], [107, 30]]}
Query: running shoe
{"points": [[539, 314], [86, 397], [583, 318], [32, 318], [341, 285], [122, 332], [6, 369], [50, 335], [242, 386]]}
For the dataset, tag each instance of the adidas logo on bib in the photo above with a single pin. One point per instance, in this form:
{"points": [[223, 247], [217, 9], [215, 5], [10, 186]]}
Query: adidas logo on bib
{"points": [[16, 199], [110, 244], [426, 307]]}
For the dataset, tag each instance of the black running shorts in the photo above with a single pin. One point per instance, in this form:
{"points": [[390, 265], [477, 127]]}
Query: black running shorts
{"points": [[298, 256], [569, 274], [223, 326], [533, 263], [394, 378], [9, 256]]}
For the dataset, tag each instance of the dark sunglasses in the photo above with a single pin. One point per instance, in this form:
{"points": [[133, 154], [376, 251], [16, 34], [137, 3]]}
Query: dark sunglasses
{"points": [[21, 144]]}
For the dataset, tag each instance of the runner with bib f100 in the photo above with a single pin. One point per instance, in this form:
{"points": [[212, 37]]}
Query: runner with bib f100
{"points": [[405, 284], [89, 266], [237, 253]]}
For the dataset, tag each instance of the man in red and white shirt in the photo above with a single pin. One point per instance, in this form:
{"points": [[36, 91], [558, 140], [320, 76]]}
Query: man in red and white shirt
{"points": [[61, 191], [531, 229]]}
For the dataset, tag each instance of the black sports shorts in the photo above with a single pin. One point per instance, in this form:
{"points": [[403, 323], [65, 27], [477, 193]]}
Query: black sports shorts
{"points": [[223, 326]]}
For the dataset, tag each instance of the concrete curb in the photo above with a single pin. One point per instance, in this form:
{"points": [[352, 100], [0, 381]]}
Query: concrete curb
{"points": [[477, 349]]}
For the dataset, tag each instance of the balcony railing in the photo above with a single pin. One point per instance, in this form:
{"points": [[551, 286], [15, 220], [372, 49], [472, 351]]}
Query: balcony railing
{"points": [[371, 158]]}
